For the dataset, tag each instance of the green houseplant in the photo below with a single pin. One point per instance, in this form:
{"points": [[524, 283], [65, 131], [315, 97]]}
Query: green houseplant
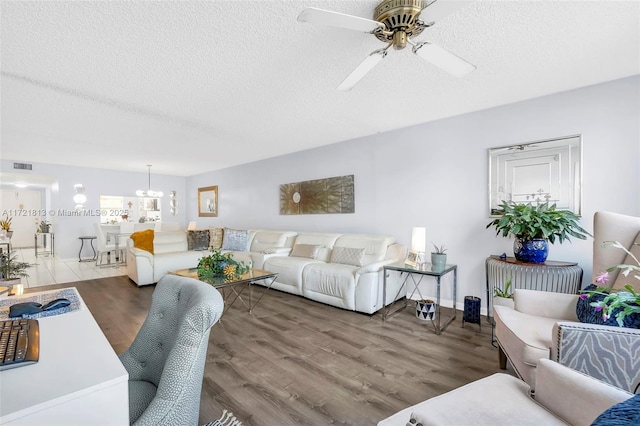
{"points": [[621, 304], [219, 264], [533, 225], [11, 268]]}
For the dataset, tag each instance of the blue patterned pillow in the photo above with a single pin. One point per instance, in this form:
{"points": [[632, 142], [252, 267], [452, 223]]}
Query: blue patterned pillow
{"points": [[588, 314], [626, 413], [234, 239]]}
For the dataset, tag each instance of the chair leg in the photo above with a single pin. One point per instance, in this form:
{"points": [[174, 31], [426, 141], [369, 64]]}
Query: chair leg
{"points": [[502, 358]]}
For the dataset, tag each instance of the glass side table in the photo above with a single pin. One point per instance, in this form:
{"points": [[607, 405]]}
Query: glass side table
{"points": [[44, 236], [416, 276]]}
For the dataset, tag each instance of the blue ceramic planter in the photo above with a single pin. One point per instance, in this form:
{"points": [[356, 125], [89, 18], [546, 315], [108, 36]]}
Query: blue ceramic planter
{"points": [[531, 251]]}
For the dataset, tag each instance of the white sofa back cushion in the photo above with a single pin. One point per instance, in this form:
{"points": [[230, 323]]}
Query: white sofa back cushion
{"points": [[263, 240], [170, 241], [375, 246], [324, 240]]}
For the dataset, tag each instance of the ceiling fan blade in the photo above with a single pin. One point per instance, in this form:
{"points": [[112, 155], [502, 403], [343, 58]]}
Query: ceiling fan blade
{"points": [[441, 8], [362, 69], [443, 59], [341, 20]]}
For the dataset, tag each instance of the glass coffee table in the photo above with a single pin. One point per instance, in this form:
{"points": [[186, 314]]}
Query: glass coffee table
{"points": [[232, 289]]}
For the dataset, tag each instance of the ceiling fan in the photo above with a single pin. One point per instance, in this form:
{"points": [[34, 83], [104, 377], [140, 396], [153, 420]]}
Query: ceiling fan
{"points": [[395, 22]]}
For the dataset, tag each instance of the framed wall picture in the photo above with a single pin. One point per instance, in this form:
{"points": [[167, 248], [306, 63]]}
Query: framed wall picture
{"points": [[208, 201]]}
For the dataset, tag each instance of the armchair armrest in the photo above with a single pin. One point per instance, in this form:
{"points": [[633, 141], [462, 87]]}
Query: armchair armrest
{"points": [[374, 267], [577, 398], [141, 253], [605, 352], [560, 306]]}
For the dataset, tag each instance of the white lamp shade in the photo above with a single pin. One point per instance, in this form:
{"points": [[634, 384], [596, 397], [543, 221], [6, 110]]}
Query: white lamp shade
{"points": [[419, 239]]}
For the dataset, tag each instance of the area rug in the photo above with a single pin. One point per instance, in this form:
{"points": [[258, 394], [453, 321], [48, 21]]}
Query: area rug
{"points": [[227, 419]]}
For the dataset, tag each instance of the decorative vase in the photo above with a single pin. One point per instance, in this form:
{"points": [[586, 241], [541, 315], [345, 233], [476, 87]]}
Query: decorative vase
{"points": [[471, 311], [425, 309], [531, 251], [438, 261], [9, 234]]}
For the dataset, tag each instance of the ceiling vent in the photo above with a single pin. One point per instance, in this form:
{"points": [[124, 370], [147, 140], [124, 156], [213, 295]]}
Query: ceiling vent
{"points": [[22, 166]]}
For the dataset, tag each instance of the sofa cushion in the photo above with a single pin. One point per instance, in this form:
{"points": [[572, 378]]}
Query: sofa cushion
{"points": [[264, 240], [324, 240], [375, 246], [215, 238], [305, 250], [331, 283], [143, 240], [169, 242], [198, 240], [235, 239], [347, 255], [289, 270]]}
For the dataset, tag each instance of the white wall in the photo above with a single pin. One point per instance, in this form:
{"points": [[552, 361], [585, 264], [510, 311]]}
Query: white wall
{"points": [[97, 182], [436, 175]]}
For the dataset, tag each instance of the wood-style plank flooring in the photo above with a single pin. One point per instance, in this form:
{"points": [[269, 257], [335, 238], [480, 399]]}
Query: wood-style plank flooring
{"points": [[299, 362]]}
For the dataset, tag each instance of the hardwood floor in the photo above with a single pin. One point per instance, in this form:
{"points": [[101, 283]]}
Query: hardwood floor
{"points": [[299, 362]]}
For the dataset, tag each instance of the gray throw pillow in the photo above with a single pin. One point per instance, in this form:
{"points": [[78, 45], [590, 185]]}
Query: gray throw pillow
{"points": [[198, 240], [235, 239]]}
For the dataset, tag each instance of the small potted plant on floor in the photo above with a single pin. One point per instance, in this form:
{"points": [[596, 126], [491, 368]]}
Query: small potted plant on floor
{"points": [[535, 225], [438, 258]]}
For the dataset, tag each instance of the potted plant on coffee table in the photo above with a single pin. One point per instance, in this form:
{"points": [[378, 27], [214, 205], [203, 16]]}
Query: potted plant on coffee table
{"points": [[533, 226]]}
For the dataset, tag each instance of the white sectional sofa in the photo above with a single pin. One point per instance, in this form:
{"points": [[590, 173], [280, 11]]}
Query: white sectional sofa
{"points": [[342, 270], [348, 283], [170, 252]]}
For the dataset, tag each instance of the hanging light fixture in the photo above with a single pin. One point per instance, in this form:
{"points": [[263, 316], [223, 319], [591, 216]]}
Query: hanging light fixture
{"points": [[149, 192]]}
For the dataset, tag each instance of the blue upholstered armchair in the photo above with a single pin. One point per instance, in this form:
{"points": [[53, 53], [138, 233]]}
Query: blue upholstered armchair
{"points": [[166, 359]]}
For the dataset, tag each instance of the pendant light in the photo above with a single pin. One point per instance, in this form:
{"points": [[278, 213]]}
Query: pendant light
{"points": [[149, 192]]}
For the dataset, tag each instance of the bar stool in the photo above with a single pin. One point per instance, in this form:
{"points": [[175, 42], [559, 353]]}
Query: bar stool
{"points": [[82, 239]]}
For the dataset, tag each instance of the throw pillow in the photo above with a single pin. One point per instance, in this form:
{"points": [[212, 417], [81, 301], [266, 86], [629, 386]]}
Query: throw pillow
{"points": [[305, 250], [622, 414], [143, 240], [197, 240], [215, 237], [235, 239], [347, 256], [588, 314]]}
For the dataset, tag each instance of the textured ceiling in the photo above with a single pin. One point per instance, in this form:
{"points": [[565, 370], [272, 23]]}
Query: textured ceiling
{"points": [[196, 86]]}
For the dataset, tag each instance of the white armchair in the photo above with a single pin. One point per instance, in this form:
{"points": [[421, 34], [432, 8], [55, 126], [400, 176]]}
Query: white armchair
{"points": [[544, 324]]}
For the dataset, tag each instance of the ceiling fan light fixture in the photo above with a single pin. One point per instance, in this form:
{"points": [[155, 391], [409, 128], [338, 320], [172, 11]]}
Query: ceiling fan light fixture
{"points": [[361, 70], [443, 59]]}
